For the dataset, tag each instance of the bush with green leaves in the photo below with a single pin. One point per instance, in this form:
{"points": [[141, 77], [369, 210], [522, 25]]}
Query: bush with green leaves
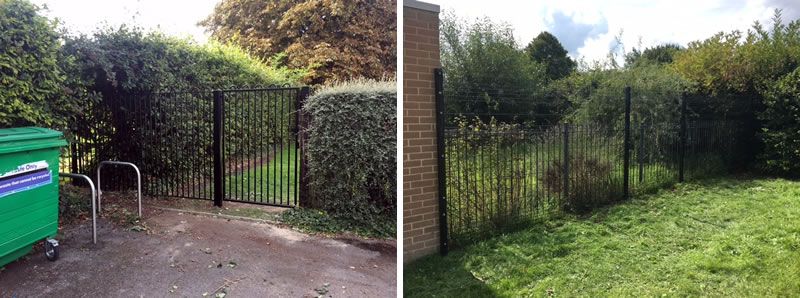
{"points": [[32, 81], [781, 129], [130, 64], [489, 75], [352, 150], [598, 96]]}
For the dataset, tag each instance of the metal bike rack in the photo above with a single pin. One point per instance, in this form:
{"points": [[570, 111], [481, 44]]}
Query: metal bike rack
{"points": [[122, 163], [94, 197]]}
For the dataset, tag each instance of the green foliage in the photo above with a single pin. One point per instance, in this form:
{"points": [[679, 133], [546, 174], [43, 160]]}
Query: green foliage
{"points": [[597, 95], [487, 74], [33, 82], [122, 66], [781, 130], [335, 40], [318, 221], [352, 150], [124, 60], [547, 50], [737, 72]]}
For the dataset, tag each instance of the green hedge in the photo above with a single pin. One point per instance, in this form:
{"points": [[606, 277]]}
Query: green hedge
{"points": [[32, 81], [128, 63], [352, 150]]}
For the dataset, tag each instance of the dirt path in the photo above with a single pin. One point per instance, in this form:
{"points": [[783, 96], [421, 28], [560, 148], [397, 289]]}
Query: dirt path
{"points": [[186, 255]]}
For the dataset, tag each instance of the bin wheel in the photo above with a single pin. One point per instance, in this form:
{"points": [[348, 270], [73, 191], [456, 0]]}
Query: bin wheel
{"points": [[51, 249]]}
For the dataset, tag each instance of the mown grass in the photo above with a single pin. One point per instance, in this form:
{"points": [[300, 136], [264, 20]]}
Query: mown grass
{"points": [[272, 182], [722, 237]]}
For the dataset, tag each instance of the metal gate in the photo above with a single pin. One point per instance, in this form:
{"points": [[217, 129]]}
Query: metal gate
{"points": [[259, 146], [241, 145]]}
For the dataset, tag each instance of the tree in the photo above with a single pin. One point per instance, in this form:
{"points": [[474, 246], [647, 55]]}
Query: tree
{"points": [[660, 54], [333, 39], [547, 50], [487, 75]]}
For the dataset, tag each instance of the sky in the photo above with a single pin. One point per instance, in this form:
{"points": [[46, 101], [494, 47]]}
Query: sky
{"points": [[174, 17], [587, 29]]}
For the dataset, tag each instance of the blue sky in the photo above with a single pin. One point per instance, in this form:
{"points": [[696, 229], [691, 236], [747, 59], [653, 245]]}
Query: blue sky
{"points": [[587, 28]]}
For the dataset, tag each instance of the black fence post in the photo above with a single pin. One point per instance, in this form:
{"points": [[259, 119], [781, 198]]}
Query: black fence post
{"points": [[301, 124], [219, 173], [682, 156], [627, 145], [566, 161], [440, 152]]}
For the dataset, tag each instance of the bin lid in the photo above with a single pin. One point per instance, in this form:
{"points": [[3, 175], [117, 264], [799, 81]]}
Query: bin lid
{"points": [[29, 138]]}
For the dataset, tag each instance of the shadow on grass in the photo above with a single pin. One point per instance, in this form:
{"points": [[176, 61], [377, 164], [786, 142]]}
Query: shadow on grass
{"points": [[436, 276]]}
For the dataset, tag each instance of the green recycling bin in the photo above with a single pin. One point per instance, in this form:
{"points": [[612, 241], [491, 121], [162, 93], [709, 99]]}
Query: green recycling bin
{"points": [[28, 191]]}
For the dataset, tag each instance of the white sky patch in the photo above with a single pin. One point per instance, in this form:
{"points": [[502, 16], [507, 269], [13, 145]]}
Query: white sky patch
{"points": [[651, 22], [174, 17]]}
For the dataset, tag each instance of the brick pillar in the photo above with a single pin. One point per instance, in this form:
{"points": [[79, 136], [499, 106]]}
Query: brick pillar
{"points": [[420, 193]]}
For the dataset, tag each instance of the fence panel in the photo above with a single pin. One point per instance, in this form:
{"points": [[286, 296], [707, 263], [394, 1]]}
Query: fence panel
{"points": [[170, 136], [509, 158]]}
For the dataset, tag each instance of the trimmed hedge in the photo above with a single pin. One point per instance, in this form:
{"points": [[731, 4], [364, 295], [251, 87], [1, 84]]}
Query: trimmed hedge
{"points": [[30, 76], [352, 150]]}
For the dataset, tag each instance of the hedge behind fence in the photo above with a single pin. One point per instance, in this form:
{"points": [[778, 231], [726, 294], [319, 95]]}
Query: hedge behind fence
{"points": [[352, 149]]}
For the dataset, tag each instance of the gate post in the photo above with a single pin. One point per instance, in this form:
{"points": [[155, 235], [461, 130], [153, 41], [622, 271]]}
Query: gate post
{"points": [[301, 124], [219, 173], [682, 156], [627, 144], [438, 77]]}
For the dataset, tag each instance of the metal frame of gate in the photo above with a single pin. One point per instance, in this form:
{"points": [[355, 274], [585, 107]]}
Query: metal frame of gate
{"points": [[249, 143], [285, 126]]}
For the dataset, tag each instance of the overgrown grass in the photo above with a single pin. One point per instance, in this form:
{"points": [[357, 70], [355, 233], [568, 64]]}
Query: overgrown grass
{"points": [[318, 221], [273, 182], [723, 237]]}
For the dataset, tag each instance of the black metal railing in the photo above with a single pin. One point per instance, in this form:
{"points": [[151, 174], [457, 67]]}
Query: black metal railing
{"points": [[495, 175], [236, 144]]}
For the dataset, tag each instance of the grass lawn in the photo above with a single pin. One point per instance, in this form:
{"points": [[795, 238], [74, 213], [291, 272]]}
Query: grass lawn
{"points": [[272, 182], [722, 237]]}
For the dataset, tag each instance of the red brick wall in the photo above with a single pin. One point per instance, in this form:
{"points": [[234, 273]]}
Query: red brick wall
{"points": [[420, 194]]}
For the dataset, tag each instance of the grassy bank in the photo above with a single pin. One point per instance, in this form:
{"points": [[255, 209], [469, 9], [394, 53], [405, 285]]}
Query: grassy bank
{"points": [[724, 237]]}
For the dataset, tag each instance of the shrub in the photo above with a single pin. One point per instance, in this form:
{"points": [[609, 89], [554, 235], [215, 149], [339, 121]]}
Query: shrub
{"points": [[121, 66], [352, 149], [781, 128], [598, 95], [590, 182], [29, 72]]}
